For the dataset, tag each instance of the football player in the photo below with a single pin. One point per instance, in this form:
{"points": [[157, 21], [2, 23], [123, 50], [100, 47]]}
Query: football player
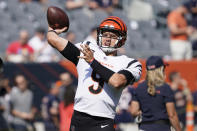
{"points": [[102, 75]]}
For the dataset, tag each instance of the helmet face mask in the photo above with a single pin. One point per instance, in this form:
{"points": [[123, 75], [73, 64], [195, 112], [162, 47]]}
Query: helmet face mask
{"points": [[115, 25]]}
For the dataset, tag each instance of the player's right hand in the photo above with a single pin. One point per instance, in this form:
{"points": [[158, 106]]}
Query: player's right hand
{"points": [[58, 31], [88, 54]]}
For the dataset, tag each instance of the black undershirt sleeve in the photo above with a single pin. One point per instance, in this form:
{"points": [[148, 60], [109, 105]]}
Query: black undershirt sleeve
{"points": [[71, 52], [129, 76], [104, 72]]}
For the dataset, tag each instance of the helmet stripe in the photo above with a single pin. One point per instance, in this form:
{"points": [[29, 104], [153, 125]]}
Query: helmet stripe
{"points": [[120, 21], [113, 21]]}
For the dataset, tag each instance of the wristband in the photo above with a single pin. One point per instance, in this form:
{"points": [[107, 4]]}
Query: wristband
{"points": [[53, 31], [91, 61], [104, 72]]}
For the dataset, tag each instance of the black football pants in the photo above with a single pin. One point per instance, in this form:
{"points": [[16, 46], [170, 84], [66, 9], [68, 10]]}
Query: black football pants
{"points": [[84, 122]]}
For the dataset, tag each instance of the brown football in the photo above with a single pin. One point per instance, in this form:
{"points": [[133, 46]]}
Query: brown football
{"points": [[57, 18]]}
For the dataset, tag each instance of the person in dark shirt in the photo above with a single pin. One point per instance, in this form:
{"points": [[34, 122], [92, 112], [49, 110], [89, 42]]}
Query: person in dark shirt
{"points": [[182, 95], [50, 112], [153, 99], [3, 122]]}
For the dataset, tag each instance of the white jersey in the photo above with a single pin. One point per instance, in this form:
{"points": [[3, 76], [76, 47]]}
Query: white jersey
{"points": [[94, 96]]}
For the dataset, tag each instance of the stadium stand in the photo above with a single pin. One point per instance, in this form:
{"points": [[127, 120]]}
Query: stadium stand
{"points": [[151, 34]]}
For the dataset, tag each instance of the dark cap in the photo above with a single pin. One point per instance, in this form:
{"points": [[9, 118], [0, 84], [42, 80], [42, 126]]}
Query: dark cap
{"points": [[154, 62]]}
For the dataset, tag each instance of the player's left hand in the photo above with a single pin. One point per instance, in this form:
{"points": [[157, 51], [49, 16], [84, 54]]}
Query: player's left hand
{"points": [[88, 54]]}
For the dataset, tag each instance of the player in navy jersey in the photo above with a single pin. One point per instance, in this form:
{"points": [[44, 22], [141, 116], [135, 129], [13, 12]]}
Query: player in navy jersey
{"points": [[153, 99], [101, 74]]}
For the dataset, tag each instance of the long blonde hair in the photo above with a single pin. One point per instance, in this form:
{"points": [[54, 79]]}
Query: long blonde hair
{"points": [[154, 78]]}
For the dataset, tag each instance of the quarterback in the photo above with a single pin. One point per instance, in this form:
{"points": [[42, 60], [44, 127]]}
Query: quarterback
{"points": [[102, 75]]}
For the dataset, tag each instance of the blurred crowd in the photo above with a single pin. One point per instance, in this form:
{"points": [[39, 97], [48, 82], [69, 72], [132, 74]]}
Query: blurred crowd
{"points": [[183, 34], [179, 22], [106, 5], [37, 49], [19, 113]]}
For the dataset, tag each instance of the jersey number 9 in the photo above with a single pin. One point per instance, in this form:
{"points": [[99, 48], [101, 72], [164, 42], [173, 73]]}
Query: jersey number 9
{"points": [[100, 82]]}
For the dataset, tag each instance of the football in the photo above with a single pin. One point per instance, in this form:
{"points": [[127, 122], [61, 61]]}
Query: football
{"points": [[57, 18]]}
